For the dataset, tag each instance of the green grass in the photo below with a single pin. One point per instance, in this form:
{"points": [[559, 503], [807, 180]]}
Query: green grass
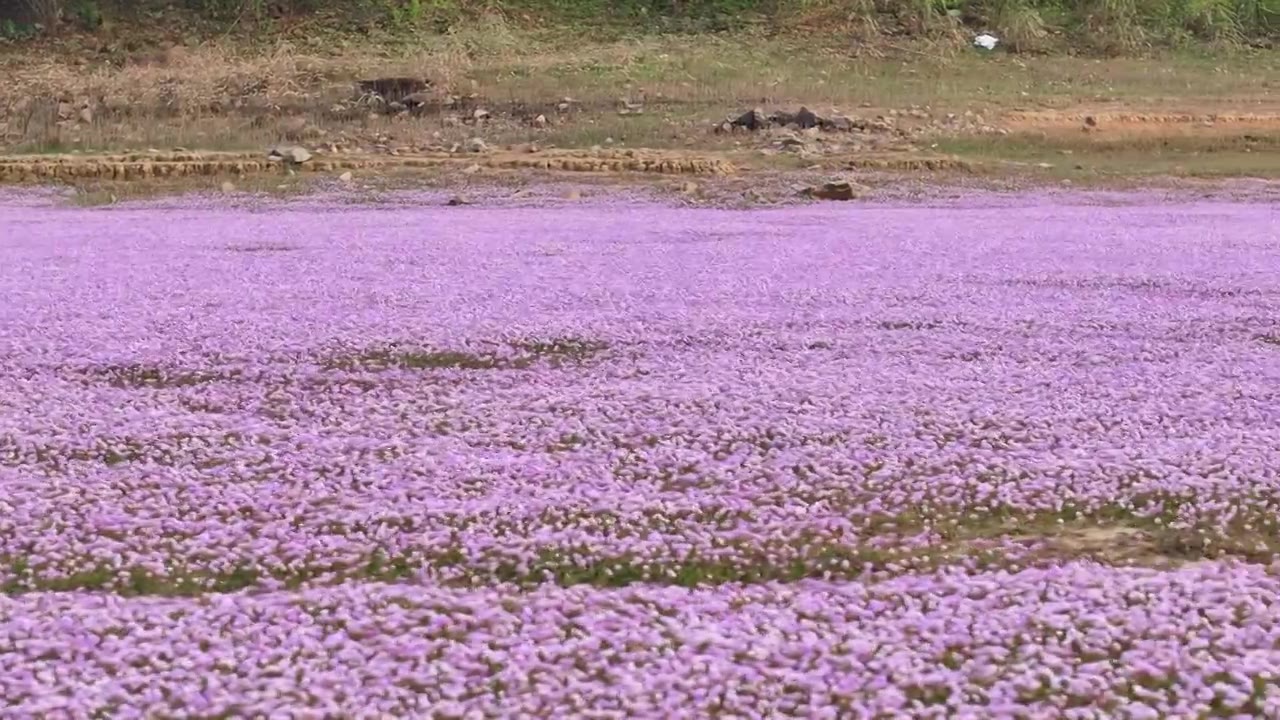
{"points": [[556, 566], [1105, 24], [997, 540], [1062, 157], [718, 73], [151, 376], [556, 351]]}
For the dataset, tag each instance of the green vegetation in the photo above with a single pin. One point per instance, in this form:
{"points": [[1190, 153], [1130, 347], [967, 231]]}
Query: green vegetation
{"points": [[556, 351], [1108, 26], [1109, 534]]}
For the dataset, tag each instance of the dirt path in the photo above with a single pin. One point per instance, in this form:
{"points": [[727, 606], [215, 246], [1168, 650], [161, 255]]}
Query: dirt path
{"points": [[1120, 121]]}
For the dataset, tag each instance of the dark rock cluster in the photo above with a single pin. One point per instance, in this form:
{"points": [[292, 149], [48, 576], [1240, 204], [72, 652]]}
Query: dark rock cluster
{"points": [[803, 119]]}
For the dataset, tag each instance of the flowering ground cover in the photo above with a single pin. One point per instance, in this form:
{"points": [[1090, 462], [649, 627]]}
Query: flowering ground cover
{"points": [[1016, 459]]}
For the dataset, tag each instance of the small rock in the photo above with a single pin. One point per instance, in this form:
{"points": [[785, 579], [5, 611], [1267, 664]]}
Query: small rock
{"points": [[417, 100], [540, 121], [792, 144], [782, 118], [573, 195], [457, 200], [472, 169], [986, 41], [345, 177], [839, 123], [1090, 121], [689, 187], [292, 155], [626, 107], [480, 115], [228, 186], [835, 190], [476, 145]]}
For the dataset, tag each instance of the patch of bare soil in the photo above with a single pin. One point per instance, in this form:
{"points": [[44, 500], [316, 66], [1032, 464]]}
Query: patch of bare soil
{"points": [[1116, 545], [1124, 545], [1118, 121]]}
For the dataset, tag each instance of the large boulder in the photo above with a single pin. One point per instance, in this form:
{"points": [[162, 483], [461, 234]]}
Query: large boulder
{"points": [[806, 119], [751, 120]]}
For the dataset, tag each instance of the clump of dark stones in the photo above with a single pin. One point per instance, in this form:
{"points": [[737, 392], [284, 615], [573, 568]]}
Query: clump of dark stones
{"points": [[803, 119]]}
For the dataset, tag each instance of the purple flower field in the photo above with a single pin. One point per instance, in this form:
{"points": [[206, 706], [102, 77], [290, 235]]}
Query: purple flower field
{"points": [[625, 460]]}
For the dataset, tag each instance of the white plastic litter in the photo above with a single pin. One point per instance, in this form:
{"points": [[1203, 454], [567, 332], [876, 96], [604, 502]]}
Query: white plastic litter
{"points": [[986, 41]]}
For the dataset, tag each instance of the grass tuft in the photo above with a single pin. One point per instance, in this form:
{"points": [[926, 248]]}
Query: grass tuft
{"points": [[523, 354], [153, 376]]}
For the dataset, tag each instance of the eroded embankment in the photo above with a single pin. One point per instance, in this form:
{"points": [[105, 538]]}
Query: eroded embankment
{"points": [[177, 164]]}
